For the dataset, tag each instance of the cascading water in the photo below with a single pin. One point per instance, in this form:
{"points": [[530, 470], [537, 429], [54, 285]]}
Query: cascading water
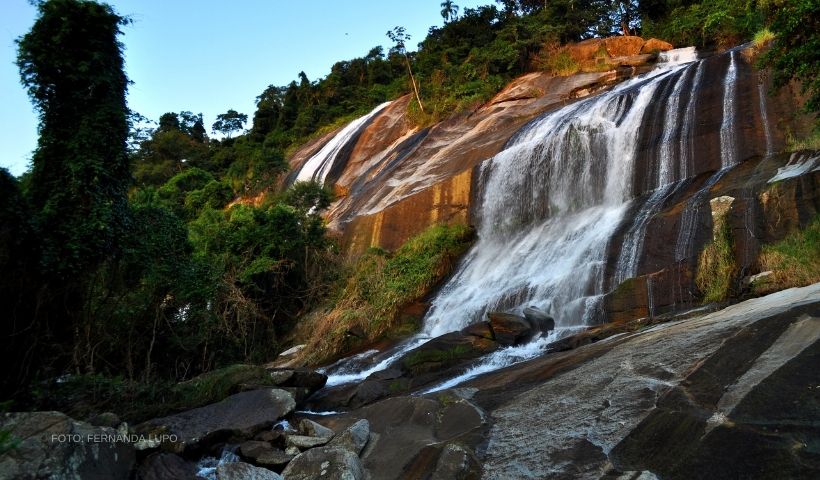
{"points": [[764, 117], [552, 200], [728, 143], [687, 130], [550, 203], [317, 167]]}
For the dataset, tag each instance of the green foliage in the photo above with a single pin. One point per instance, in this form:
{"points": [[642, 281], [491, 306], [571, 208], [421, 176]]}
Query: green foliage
{"points": [[72, 66], [724, 23], [762, 38], [796, 52], [717, 269]]}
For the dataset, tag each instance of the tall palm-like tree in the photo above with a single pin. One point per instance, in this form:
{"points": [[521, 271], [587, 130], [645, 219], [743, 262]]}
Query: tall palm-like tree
{"points": [[449, 10]]}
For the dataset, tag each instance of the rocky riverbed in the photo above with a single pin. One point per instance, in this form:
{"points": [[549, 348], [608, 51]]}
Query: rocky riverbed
{"points": [[734, 393]]}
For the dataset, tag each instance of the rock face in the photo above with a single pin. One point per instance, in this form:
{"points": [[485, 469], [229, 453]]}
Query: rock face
{"points": [[723, 395], [241, 415], [52, 445]]}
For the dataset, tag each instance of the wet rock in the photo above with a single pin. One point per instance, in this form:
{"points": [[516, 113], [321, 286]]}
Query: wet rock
{"points": [[327, 463], [163, 466], [446, 351], [242, 415], [480, 330], [539, 320], [302, 442], [509, 329], [312, 429], [53, 445], [654, 45], [243, 471], [354, 438]]}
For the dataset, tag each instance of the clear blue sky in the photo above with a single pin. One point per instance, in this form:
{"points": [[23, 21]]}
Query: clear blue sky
{"points": [[211, 55]]}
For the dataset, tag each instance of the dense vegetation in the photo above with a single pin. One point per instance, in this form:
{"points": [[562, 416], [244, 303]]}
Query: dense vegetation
{"points": [[164, 277]]}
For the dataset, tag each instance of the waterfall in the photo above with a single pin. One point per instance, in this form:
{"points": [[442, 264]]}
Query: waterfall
{"points": [[687, 166], [550, 202], [317, 167], [632, 248], [728, 143], [764, 117]]}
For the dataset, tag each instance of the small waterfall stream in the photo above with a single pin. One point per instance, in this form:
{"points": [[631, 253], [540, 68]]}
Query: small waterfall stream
{"points": [[317, 167]]}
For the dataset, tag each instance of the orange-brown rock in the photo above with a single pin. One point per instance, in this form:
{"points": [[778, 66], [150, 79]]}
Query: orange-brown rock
{"points": [[654, 45], [623, 46]]}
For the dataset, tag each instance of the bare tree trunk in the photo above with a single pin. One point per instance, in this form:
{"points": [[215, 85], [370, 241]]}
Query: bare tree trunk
{"points": [[413, 81]]}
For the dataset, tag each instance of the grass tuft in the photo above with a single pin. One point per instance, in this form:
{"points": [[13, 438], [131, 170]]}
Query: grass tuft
{"points": [[717, 269], [794, 261]]}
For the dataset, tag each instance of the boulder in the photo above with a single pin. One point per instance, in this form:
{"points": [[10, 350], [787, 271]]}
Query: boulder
{"points": [[312, 429], [53, 445], [327, 463], [354, 438], [303, 442], [445, 351], [623, 46], [480, 330], [243, 471], [509, 329], [540, 320], [456, 463], [242, 415], [263, 454], [162, 466], [277, 438], [106, 419], [298, 377], [654, 45]]}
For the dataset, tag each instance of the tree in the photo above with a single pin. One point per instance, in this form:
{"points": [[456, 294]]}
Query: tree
{"points": [[71, 63], [229, 122], [449, 11], [399, 36]]}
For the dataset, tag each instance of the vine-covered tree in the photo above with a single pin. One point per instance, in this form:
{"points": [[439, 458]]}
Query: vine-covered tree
{"points": [[71, 63]]}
